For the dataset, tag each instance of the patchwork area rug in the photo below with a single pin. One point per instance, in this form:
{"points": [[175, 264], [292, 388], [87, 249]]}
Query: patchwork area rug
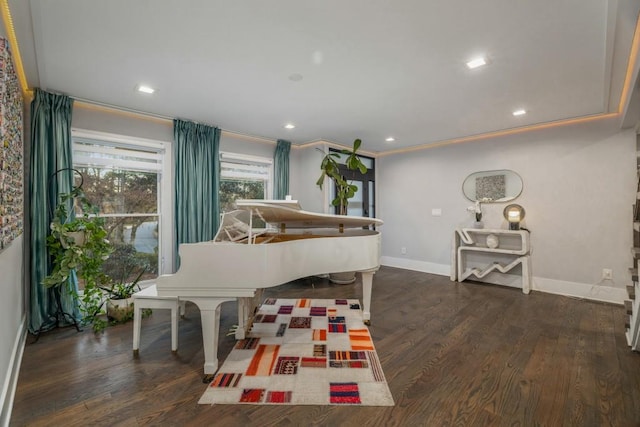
{"points": [[303, 352]]}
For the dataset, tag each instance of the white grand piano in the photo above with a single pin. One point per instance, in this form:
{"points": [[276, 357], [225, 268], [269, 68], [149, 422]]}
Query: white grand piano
{"points": [[267, 243]]}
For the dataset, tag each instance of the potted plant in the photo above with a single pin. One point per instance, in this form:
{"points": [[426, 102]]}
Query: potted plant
{"points": [[345, 190], [120, 301], [78, 246], [330, 168], [477, 210]]}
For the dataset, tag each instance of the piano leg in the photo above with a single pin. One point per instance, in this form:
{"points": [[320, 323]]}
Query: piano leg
{"points": [[247, 308], [244, 306], [210, 315], [367, 281]]}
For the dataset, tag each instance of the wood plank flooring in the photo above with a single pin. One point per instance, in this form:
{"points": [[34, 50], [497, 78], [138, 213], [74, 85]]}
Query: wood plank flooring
{"points": [[453, 353]]}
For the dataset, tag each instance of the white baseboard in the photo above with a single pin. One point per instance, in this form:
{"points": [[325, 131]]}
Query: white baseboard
{"points": [[540, 284], [11, 380], [580, 290], [411, 264]]}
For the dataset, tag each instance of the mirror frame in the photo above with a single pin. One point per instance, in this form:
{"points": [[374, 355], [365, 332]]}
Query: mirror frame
{"points": [[491, 173]]}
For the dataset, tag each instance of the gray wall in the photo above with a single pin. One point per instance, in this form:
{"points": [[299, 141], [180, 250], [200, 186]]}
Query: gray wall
{"points": [[234, 143], [579, 186], [96, 119], [304, 173]]}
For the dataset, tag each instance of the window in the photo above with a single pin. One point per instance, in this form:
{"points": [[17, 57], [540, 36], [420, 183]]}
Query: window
{"points": [[129, 179], [363, 203], [244, 177]]}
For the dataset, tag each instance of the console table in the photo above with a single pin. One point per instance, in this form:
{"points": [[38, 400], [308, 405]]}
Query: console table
{"points": [[513, 245]]}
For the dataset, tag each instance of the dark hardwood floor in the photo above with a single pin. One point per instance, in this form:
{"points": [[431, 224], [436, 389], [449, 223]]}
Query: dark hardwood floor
{"points": [[453, 353]]}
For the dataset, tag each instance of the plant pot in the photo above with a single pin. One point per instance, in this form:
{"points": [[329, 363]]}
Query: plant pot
{"points": [[345, 278], [78, 237], [120, 310]]}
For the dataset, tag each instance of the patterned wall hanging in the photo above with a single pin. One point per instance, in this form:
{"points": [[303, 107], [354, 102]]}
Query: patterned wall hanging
{"points": [[11, 161]]}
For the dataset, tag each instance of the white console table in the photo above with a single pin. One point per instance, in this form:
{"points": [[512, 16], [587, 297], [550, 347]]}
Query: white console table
{"points": [[513, 245]]}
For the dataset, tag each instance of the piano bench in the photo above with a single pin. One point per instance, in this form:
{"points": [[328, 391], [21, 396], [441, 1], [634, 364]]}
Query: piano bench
{"points": [[148, 298]]}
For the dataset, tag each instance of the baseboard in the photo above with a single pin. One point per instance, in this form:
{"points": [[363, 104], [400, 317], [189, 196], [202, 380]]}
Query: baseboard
{"points": [[551, 286], [580, 290], [411, 264], [11, 380]]}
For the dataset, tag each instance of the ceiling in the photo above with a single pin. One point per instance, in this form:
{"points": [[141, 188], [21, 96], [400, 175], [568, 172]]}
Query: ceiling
{"points": [[338, 70]]}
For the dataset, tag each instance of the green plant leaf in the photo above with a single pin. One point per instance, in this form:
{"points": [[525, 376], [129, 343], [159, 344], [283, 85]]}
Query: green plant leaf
{"points": [[329, 168], [84, 261]]}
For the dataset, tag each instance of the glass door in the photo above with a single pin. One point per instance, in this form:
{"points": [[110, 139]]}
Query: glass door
{"points": [[363, 203]]}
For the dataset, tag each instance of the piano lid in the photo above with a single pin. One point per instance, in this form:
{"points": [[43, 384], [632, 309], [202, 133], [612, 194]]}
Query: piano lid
{"points": [[289, 213]]}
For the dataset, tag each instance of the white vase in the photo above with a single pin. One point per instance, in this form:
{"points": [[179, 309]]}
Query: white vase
{"points": [[478, 224]]}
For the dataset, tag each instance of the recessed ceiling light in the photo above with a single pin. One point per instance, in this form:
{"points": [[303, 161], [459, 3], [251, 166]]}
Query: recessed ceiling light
{"points": [[475, 63], [317, 57], [145, 89], [390, 139], [289, 126], [519, 112]]}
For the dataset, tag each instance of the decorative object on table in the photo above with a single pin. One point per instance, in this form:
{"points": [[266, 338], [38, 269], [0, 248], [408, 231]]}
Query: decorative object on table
{"points": [[477, 211], [514, 214], [78, 247], [493, 241], [345, 190], [327, 359]]}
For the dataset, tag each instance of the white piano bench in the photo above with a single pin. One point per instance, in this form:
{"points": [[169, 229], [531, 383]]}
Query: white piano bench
{"points": [[148, 298]]}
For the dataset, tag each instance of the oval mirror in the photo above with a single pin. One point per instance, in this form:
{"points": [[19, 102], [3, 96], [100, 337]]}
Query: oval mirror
{"points": [[492, 186]]}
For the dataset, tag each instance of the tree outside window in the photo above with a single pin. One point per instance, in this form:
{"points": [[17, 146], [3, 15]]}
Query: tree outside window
{"points": [[243, 177], [129, 202]]}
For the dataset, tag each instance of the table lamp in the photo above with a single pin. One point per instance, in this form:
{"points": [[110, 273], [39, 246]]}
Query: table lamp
{"points": [[514, 214]]}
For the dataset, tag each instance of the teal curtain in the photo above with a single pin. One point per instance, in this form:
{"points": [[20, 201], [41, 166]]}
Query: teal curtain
{"points": [[50, 152], [281, 169], [197, 181]]}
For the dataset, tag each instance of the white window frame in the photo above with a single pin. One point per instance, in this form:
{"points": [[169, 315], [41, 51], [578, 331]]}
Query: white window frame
{"points": [[249, 160], [165, 184]]}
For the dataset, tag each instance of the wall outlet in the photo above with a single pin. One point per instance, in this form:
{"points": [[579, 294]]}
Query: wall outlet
{"points": [[403, 250], [607, 273]]}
